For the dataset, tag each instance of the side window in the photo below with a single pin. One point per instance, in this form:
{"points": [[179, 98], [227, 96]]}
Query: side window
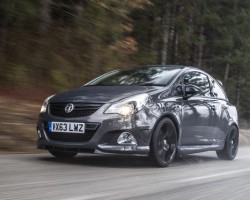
{"points": [[217, 91], [199, 80]]}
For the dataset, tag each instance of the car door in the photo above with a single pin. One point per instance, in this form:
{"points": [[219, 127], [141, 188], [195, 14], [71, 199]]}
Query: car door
{"points": [[221, 119], [197, 112]]}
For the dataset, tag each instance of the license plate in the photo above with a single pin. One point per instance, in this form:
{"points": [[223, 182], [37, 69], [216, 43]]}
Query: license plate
{"points": [[66, 127]]}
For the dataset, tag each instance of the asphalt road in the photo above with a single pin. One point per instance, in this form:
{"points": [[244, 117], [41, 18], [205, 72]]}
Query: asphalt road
{"points": [[200, 176]]}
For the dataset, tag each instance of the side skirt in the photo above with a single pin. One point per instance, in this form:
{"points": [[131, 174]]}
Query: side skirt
{"points": [[199, 148]]}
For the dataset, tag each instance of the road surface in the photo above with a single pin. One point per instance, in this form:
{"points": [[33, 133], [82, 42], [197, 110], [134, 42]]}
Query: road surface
{"points": [[200, 176]]}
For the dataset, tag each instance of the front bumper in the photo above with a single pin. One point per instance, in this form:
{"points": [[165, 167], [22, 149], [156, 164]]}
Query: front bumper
{"points": [[102, 148], [102, 132], [123, 148]]}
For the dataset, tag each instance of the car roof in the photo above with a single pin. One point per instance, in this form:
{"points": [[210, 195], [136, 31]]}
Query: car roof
{"points": [[183, 68], [169, 66]]}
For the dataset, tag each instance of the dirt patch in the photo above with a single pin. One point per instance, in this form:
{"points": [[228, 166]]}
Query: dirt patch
{"points": [[18, 126], [244, 137]]}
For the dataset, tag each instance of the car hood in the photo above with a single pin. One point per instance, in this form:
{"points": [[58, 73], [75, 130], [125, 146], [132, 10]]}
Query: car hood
{"points": [[101, 94]]}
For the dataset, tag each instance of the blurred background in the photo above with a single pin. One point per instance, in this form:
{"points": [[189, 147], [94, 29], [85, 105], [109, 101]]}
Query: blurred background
{"points": [[48, 46]]}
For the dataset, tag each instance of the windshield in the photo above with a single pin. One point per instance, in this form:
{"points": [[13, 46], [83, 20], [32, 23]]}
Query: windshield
{"points": [[155, 76]]}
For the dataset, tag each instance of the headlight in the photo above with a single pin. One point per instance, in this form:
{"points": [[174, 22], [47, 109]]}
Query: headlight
{"points": [[45, 104], [129, 105]]}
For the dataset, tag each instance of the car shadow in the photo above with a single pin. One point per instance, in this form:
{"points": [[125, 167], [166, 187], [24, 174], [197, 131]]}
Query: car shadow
{"points": [[109, 161], [124, 161], [194, 159]]}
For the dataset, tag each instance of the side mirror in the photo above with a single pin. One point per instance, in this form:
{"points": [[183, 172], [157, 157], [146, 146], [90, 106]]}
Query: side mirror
{"points": [[191, 90]]}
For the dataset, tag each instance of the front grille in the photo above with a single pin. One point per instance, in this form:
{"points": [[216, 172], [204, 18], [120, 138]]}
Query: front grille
{"points": [[80, 110], [90, 130]]}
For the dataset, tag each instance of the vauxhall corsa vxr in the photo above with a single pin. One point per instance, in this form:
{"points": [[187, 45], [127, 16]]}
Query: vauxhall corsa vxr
{"points": [[151, 110]]}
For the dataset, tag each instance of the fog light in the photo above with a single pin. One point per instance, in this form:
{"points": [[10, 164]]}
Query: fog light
{"points": [[39, 133], [126, 138]]}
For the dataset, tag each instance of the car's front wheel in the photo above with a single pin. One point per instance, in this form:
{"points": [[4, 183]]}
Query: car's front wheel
{"points": [[163, 143], [62, 154], [231, 145]]}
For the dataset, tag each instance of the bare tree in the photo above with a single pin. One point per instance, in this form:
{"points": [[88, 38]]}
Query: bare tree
{"points": [[166, 18], [44, 16], [201, 46]]}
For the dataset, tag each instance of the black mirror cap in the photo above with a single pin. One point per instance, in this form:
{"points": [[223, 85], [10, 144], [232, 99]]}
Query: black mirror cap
{"points": [[191, 90]]}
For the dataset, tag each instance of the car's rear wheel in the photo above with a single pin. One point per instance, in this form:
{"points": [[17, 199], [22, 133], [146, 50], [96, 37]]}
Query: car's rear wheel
{"points": [[231, 145], [163, 143], [62, 154]]}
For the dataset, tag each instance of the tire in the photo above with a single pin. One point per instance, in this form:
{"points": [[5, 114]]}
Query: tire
{"points": [[62, 154], [230, 149], [163, 143]]}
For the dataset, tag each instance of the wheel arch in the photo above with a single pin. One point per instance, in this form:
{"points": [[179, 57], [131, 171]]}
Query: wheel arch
{"points": [[232, 124], [237, 126], [173, 119]]}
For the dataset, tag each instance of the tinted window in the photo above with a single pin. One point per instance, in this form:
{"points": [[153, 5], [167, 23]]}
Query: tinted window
{"points": [[200, 80], [217, 91], [138, 76]]}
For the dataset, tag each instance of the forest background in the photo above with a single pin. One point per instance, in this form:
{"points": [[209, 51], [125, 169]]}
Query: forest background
{"points": [[48, 46]]}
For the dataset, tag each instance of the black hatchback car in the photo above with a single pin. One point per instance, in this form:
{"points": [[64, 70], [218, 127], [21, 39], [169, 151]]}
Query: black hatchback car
{"points": [[159, 111]]}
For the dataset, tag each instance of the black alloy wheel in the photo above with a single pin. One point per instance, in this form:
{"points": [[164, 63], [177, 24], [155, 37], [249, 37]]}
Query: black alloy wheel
{"points": [[164, 143], [62, 154], [230, 149]]}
